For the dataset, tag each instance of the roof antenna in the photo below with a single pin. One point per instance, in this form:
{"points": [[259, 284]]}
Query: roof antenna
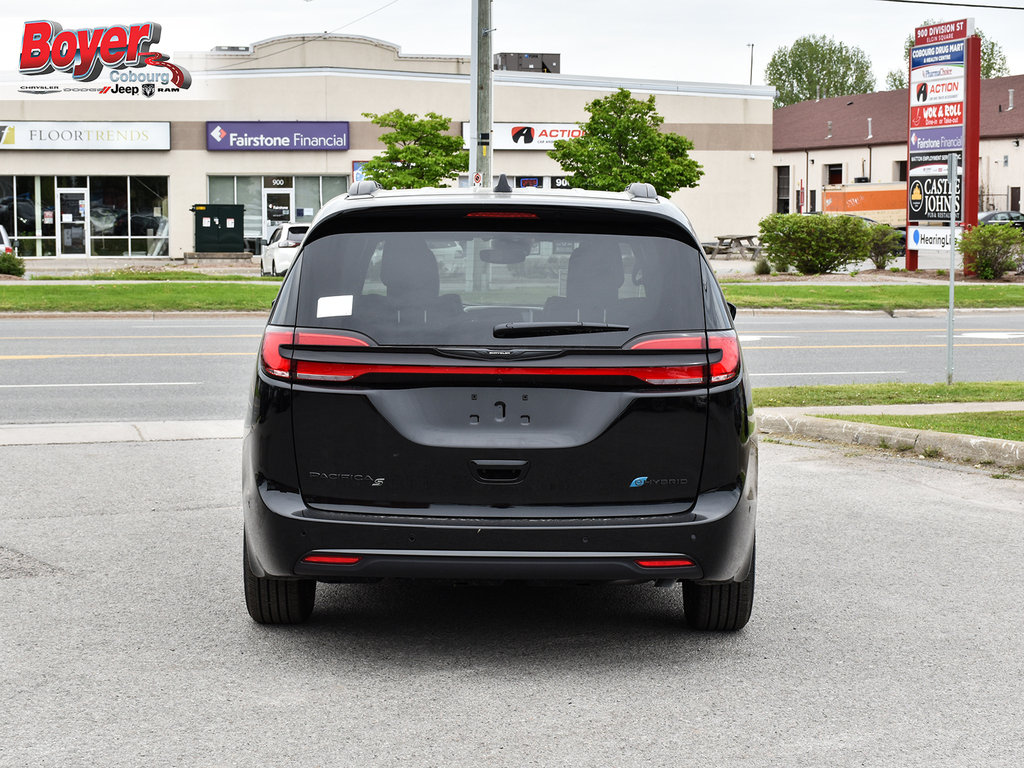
{"points": [[503, 185]]}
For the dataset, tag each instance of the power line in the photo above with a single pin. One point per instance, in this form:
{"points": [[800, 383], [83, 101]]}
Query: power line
{"points": [[959, 5], [306, 42]]}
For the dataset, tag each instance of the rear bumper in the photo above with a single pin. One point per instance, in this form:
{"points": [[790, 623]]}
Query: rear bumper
{"points": [[716, 534]]}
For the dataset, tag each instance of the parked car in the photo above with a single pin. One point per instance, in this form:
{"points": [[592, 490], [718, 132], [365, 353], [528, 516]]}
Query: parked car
{"points": [[591, 423], [901, 231], [1016, 218], [7, 245], [279, 251]]}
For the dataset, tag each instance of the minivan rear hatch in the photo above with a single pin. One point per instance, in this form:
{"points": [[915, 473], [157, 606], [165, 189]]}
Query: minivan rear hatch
{"points": [[476, 362]]}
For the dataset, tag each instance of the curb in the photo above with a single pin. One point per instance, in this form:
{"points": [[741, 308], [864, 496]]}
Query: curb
{"points": [[119, 432], [1003, 453]]}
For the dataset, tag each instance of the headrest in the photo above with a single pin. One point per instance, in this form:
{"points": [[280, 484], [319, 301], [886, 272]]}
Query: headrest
{"points": [[409, 268], [595, 272]]}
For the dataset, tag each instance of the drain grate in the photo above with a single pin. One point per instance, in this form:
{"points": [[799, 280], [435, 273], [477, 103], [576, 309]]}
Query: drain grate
{"points": [[15, 565]]}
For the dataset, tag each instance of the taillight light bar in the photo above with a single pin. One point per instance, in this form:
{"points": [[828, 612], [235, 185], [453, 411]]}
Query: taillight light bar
{"points": [[275, 364]]}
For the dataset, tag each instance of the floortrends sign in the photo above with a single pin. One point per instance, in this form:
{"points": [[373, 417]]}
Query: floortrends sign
{"points": [[83, 53]]}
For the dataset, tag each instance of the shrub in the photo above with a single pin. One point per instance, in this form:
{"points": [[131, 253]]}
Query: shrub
{"points": [[762, 267], [11, 265], [993, 249], [813, 245], [884, 245]]}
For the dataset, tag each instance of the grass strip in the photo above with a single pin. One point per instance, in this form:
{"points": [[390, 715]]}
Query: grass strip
{"points": [[884, 298], [1001, 425], [171, 275], [890, 393], [155, 297]]}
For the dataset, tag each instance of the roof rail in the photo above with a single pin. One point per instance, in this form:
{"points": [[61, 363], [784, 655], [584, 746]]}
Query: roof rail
{"points": [[639, 190], [364, 188]]}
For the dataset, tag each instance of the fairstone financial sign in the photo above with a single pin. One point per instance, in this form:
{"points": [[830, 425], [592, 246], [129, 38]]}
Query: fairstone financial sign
{"points": [[84, 136], [277, 136]]}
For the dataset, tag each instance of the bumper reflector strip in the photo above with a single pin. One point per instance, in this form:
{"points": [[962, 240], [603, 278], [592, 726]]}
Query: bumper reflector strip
{"points": [[675, 562], [331, 559]]}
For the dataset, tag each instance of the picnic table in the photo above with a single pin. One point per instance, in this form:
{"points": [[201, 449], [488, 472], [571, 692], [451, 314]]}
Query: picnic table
{"points": [[736, 245]]}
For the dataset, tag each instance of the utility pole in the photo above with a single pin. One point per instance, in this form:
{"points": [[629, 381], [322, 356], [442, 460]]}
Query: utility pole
{"points": [[751, 47], [480, 119]]}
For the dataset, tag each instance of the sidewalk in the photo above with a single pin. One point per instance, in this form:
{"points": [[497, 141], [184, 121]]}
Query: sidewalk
{"points": [[808, 423]]}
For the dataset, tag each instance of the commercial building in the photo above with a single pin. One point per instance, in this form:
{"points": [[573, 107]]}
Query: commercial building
{"points": [[862, 139], [279, 127]]}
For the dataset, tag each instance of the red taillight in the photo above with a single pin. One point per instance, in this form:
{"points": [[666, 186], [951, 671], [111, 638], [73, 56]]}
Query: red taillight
{"points": [[728, 367], [280, 367], [671, 341], [329, 340], [331, 559], [725, 342], [666, 562], [274, 363]]}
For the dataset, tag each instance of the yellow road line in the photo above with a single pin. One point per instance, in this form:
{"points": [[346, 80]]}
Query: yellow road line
{"points": [[749, 347], [127, 354], [157, 336]]}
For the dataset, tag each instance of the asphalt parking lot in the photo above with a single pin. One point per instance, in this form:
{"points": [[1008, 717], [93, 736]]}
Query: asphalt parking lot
{"points": [[886, 631]]}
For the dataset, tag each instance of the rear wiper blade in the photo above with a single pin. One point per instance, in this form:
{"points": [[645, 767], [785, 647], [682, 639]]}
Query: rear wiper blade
{"points": [[522, 330]]}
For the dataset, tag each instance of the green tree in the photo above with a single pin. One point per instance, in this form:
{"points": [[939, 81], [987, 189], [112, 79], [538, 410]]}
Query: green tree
{"points": [[816, 66], [622, 143], [993, 60], [419, 152]]}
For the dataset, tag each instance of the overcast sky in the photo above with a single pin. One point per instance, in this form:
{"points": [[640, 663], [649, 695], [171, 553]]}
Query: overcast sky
{"points": [[685, 40]]}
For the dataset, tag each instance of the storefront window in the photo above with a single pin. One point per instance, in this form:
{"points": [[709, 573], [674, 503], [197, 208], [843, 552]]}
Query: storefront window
{"points": [[7, 203], [108, 206], [110, 246], [307, 197], [249, 192], [222, 189], [47, 206], [333, 186]]}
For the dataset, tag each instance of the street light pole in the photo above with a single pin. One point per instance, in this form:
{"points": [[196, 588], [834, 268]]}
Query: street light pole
{"points": [[751, 47]]}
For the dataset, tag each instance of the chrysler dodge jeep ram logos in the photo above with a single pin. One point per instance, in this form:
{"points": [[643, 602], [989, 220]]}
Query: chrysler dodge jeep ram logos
{"points": [[47, 47]]}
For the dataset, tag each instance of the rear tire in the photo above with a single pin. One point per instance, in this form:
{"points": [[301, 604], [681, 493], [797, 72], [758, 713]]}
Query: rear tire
{"points": [[721, 607], [276, 601]]}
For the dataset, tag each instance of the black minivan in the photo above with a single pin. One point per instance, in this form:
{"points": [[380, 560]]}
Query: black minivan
{"points": [[477, 384]]}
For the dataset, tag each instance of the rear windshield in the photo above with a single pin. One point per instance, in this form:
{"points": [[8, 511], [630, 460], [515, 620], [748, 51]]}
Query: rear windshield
{"points": [[454, 287], [296, 233]]}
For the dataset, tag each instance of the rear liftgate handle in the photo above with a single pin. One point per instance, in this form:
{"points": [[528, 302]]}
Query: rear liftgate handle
{"points": [[499, 470]]}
